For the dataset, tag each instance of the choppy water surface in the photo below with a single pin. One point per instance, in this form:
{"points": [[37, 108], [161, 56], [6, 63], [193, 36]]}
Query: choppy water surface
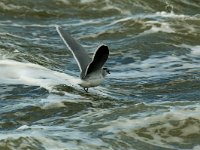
{"points": [[151, 100]]}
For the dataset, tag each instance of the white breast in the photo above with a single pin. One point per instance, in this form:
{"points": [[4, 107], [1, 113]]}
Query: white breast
{"points": [[92, 80]]}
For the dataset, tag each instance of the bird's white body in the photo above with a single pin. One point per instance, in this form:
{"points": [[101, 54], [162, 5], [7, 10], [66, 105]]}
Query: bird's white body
{"points": [[93, 79]]}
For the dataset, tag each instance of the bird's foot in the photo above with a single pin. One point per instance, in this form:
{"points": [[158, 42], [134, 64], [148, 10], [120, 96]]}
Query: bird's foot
{"points": [[86, 89]]}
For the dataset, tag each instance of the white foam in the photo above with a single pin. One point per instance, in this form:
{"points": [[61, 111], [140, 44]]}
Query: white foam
{"points": [[171, 125], [195, 50], [66, 2], [87, 1], [30, 137], [197, 147], [13, 72], [151, 67], [157, 26], [48, 136], [11, 6], [56, 101], [169, 14]]}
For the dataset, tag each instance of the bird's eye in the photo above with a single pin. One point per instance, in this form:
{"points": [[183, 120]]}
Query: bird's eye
{"points": [[108, 71]]}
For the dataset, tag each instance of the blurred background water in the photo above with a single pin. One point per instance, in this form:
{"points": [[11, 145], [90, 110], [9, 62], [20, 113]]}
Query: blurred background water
{"points": [[149, 101]]}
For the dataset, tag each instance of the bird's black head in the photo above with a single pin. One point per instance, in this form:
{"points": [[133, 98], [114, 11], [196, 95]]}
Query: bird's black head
{"points": [[106, 70]]}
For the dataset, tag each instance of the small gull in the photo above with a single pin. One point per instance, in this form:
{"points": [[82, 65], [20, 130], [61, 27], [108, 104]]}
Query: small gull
{"points": [[92, 72]]}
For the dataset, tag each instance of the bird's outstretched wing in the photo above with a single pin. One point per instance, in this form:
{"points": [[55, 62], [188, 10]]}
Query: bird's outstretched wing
{"points": [[79, 53], [99, 59]]}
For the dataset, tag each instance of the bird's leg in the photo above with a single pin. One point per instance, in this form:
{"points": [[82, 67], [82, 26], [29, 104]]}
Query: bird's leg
{"points": [[86, 89]]}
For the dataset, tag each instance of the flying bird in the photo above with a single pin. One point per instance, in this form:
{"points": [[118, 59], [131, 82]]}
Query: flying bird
{"points": [[92, 71]]}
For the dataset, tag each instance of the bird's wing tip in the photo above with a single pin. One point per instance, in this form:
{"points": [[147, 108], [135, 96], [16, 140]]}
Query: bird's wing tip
{"points": [[104, 46], [57, 27]]}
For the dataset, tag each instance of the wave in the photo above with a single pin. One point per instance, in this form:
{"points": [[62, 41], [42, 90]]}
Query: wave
{"points": [[14, 72], [91, 8]]}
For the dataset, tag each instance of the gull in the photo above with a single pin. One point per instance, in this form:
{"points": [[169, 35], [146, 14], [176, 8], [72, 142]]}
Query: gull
{"points": [[92, 71]]}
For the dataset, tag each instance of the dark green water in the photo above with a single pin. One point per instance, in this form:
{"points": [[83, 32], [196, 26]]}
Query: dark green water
{"points": [[150, 101]]}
